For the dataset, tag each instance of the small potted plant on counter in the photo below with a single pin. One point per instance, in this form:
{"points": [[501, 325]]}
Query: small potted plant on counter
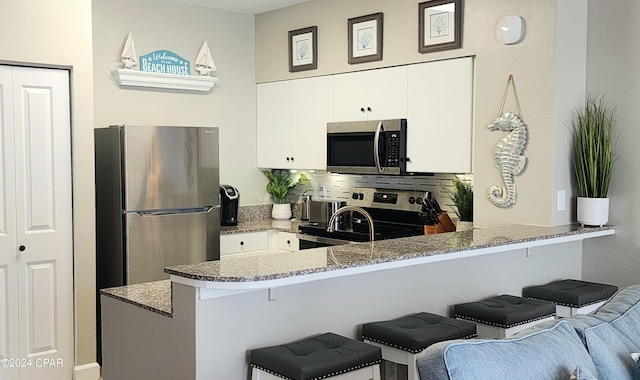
{"points": [[281, 183], [462, 198], [593, 134]]}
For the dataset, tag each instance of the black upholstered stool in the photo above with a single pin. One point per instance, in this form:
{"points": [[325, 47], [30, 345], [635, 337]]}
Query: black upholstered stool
{"points": [[572, 296], [402, 339], [505, 315], [326, 356]]}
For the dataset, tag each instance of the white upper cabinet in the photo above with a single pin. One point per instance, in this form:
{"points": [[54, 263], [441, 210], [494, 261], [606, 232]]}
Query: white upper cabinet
{"points": [[292, 123], [370, 95], [274, 125], [311, 111], [440, 116]]}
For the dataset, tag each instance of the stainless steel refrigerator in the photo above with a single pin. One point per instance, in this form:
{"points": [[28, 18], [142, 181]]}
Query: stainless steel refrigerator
{"points": [[157, 201]]}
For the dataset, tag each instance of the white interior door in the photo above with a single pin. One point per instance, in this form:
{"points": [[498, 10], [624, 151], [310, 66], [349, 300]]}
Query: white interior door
{"points": [[8, 246], [40, 212]]}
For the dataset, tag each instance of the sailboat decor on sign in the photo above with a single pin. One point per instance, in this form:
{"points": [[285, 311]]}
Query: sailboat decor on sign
{"points": [[204, 61], [129, 56]]}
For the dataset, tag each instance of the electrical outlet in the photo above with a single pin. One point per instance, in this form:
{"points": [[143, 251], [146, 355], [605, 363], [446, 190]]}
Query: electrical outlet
{"points": [[562, 200], [322, 190]]}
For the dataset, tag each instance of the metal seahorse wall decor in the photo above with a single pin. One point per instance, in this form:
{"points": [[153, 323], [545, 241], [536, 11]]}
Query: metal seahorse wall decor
{"points": [[508, 157]]}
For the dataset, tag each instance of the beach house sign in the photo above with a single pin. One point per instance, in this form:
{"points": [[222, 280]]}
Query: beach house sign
{"points": [[166, 62]]}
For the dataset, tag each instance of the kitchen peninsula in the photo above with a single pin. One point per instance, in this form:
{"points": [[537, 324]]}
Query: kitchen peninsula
{"points": [[204, 322]]}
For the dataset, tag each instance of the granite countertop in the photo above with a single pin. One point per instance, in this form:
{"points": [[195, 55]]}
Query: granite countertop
{"points": [[153, 296], [156, 296], [312, 261]]}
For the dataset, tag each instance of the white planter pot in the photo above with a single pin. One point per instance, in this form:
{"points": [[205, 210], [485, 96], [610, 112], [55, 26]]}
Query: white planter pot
{"points": [[464, 225], [593, 211], [281, 211]]}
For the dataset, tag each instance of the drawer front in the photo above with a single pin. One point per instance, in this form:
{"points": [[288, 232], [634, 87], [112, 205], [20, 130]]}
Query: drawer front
{"points": [[288, 241], [244, 242]]}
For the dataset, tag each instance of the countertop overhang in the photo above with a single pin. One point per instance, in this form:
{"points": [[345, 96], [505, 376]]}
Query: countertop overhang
{"points": [[282, 269]]}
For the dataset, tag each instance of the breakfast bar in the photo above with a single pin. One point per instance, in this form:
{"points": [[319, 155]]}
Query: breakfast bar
{"points": [[202, 323]]}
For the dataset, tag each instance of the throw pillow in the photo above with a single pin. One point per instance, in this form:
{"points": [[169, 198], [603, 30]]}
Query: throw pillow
{"points": [[544, 354]]}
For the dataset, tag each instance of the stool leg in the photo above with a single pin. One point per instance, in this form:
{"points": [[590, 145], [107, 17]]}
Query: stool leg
{"points": [[412, 370], [376, 372]]}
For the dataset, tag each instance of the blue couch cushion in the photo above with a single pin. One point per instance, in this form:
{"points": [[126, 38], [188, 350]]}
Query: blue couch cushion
{"points": [[582, 374], [552, 353], [611, 334]]}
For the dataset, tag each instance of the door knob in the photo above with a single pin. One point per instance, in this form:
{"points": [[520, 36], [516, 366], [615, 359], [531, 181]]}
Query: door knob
{"points": [[22, 248]]}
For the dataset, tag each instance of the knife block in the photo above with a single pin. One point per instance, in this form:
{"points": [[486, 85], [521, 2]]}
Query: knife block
{"points": [[430, 230], [444, 225]]}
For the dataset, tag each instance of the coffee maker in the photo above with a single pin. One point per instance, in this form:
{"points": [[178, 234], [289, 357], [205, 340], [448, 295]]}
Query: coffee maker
{"points": [[229, 199]]}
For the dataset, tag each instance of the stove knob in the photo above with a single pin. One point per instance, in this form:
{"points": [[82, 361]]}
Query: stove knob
{"points": [[412, 200], [419, 200], [354, 196], [360, 196]]}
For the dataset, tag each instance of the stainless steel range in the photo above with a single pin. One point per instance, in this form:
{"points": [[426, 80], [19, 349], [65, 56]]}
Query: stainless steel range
{"points": [[394, 214]]}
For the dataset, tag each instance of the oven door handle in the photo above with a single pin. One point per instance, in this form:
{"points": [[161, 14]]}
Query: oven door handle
{"points": [[376, 149]]}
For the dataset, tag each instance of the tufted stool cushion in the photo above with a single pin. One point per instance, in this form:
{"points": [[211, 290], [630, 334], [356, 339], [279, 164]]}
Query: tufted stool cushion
{"points": [[505, 310], [505, 315], [573, 293], [318, 357], [414, 333]]}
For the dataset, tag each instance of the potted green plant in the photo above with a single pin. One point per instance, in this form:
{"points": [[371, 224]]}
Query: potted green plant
{"points": [[593, 135], [462, 198], [281, 183]]}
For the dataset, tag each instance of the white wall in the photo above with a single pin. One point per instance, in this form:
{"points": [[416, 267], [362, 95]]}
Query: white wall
{"points": [[533, 62], [58, 33], [182, 29], [613, 61]]}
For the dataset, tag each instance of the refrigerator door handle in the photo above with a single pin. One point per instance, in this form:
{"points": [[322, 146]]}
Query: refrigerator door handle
{"points": [[192, 210]]}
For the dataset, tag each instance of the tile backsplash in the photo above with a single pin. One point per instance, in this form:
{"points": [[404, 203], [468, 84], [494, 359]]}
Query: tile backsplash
{"points": [[340, 186]]}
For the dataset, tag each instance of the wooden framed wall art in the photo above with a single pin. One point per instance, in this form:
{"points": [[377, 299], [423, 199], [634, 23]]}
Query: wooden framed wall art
{"points": [[440, 25], [303, 49], [365, 38]]}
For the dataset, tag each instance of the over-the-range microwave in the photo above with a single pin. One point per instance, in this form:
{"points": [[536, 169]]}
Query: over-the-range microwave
{"points": [[367, 147]]}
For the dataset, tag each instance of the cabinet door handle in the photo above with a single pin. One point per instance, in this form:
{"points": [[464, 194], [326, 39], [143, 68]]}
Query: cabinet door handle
{"points": [[362, 109], [369, 109], [287, 158], [22, 248], [291, 158], [288, 242], [241, 243]]}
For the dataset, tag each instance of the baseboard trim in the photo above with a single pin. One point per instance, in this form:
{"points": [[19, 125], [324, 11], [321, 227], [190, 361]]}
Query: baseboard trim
{"points": [[89, 371]]}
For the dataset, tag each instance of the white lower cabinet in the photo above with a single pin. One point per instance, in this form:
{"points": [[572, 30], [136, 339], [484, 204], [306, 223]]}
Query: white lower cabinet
{"points": [[285, 242], [247, 244], [244, 244]]}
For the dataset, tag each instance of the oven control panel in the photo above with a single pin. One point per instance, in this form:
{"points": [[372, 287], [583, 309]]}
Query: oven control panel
{"points": [[406, 200]]}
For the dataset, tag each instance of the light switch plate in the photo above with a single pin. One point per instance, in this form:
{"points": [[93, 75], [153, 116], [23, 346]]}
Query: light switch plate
{"points": [[562, 200]]}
